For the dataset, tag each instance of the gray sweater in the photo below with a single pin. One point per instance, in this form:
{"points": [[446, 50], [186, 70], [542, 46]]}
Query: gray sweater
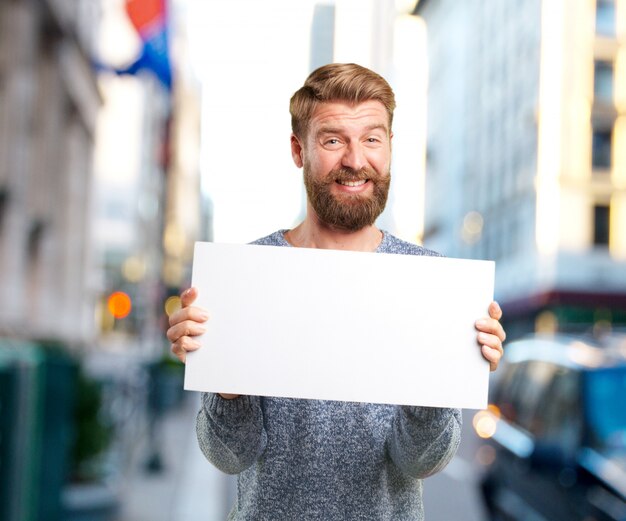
{"points": [[327, 460]]}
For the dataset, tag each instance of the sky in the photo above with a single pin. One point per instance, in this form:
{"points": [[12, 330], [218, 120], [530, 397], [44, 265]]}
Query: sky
{"points": [[250, 56]]}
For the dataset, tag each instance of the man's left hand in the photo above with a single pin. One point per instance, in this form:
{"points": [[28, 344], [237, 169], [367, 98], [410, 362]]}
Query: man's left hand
{"points": [[491, 335]]}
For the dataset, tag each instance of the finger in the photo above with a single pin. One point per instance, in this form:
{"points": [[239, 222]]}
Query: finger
{"points": [[179, 352], [183, 329], [493, 356], [495, 311], [491, 326], [183, 346], [188, 296], [491, 347], [189, 313], [491, 341]]}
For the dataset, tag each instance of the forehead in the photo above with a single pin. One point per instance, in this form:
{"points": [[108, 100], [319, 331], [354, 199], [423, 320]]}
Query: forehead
{"points": [[339, 114]]}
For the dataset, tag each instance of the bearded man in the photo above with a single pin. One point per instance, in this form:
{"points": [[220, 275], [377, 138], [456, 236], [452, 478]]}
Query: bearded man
{"points": [[327, 460]]}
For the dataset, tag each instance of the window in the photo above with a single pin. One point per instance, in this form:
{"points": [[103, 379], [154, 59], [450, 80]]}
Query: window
{"points": [[507, 390], [4, 200], [559, 418], [601, 218], [35, 238], [601, 148], [603, 80], [605, 17], [537, 378], [522, 391]]}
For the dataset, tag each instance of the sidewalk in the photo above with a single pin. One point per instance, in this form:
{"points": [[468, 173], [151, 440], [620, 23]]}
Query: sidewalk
{"points": [[188, 488]]}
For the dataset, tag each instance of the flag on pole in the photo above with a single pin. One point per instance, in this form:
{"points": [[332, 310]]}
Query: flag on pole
{"points": [[149, 17]]}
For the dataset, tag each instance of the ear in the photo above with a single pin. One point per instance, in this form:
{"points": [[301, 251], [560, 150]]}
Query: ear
{"points": [[297, 151]]}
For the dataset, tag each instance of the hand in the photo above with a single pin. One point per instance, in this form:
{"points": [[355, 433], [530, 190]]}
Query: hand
{"points": [[185, 324], [491, 335]]}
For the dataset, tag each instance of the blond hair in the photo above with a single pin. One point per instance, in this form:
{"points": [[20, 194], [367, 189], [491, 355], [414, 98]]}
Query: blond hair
{"points": [[347, 82]]}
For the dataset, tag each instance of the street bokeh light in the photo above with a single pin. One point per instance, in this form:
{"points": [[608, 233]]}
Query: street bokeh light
{"points": [[172, 304], [485, 422], [119, 304]]}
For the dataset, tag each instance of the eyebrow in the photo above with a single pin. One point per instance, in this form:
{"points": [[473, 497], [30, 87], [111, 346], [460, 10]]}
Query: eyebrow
{"points": [[337, 130]]}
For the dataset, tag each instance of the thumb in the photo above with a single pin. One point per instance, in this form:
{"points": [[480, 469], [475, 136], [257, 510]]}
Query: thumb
{"points": [[188, 296], [495, 311]]}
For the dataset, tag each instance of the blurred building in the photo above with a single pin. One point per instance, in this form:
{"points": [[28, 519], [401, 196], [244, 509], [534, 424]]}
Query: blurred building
{"points": [[187, 209], [322, 35], [129, 182], [526, 149], [48, 106], [149, 207]]}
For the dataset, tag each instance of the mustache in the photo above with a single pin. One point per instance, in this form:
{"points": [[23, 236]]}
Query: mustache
{"points": [[349, 174]]}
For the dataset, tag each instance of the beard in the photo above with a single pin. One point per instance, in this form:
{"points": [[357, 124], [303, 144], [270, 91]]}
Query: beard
{"points": [[345, 211]]}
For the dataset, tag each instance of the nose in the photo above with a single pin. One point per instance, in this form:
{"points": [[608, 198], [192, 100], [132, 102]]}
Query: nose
{"points": [[353, 157]]}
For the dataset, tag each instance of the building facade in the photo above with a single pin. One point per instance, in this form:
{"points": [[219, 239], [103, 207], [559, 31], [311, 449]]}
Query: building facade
{"points": [[188, 216], [148, 203], [525, 162], [48, 106]]}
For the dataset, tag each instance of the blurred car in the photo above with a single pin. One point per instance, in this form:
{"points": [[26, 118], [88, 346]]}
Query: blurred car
{"points": [[556, 427]]}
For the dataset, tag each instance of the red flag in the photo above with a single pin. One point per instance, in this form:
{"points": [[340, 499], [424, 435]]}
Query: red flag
{"points": [[145, 14]]}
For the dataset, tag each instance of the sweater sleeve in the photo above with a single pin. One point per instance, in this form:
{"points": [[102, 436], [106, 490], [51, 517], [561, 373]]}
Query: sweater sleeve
{"points": [[424, 439], [230, 432]]}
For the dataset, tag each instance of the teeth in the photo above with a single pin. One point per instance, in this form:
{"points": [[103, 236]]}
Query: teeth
{"points": [[352, 183]]}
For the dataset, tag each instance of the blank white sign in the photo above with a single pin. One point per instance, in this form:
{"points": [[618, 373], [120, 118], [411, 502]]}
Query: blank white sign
{"points": [[340, 325]]}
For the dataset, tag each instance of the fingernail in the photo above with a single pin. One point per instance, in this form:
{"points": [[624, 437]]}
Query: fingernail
{"points": [[481, 323]]}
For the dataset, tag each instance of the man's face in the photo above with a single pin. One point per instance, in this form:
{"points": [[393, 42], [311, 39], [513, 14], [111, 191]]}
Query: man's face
{"points": [[346, 158]]}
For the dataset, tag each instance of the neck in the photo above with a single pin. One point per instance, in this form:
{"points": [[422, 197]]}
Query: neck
{"points": [[313, 233]]}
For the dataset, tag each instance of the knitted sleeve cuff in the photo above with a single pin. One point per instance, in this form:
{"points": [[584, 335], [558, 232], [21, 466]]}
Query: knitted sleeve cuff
{"points": [[215, 405], [433, 416]]}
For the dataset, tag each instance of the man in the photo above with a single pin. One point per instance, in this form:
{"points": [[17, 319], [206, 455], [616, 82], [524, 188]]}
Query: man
{"points": [[324, 460]]}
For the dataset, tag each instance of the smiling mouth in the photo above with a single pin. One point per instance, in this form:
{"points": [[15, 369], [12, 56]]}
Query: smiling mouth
{"points": [[352, 183]]}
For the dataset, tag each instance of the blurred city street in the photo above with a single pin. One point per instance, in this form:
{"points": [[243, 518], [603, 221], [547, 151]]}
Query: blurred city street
{"points": [[459, 480], [161, 474], [188, 487]]}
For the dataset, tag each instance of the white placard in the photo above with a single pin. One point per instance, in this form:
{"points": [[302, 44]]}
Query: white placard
{"points": [[340, 325]]}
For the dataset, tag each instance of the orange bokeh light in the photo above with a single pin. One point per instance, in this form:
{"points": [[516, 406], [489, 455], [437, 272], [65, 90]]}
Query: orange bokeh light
{"points": [[119, 304]]}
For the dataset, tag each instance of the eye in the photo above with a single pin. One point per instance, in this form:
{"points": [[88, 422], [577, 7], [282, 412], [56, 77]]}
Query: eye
{"points": [[332, 143], [373, 141]]}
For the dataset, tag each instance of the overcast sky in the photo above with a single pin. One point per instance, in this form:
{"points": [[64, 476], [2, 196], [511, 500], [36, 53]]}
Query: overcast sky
{"points": [[251, 57]]}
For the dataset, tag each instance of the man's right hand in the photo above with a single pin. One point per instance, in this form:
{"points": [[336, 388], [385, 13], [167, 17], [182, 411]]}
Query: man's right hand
{"points": [[185, 324]]}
